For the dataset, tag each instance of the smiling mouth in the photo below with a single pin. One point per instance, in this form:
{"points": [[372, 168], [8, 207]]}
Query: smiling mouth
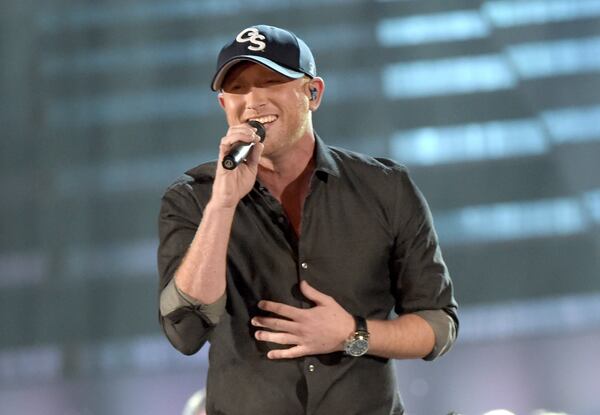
{"points": [[264, 119]]}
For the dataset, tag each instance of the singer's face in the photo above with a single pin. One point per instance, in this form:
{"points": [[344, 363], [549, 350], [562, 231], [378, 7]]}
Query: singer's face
{"points": [[253, 92]]}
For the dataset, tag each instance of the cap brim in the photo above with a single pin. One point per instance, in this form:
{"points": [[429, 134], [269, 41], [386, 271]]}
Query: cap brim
{"points": [[220, 75]]}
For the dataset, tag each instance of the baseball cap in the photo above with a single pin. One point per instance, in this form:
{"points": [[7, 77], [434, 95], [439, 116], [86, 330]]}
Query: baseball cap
{"points": [[275, 48]]}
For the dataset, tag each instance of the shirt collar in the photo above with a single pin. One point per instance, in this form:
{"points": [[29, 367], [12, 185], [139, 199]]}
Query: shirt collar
{"points": [[324, 162]]}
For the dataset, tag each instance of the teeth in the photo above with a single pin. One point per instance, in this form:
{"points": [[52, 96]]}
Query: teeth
{"points": [[265, 119]]}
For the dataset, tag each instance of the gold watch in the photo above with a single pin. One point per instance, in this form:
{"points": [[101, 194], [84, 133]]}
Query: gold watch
{"points": [[358, 343]]}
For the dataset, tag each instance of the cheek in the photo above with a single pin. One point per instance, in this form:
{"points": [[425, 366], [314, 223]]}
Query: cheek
{"points": [[232, 113], [299, 105]]}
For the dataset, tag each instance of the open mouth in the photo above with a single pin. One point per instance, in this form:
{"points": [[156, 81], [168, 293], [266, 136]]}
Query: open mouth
{"points": [[266, 119]]}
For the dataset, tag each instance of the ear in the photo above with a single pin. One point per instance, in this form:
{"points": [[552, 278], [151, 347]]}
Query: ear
{"points": [[317, 85], [221, 100]]}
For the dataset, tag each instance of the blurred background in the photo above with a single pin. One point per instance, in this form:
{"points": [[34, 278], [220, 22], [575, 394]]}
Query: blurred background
{"points": [[493, 105]]}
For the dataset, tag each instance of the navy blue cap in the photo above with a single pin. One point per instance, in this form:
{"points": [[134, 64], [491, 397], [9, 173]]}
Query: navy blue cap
{"points": [[275, 48]]}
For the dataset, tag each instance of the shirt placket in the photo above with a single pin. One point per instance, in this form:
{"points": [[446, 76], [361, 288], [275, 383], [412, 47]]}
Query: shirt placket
{"points": [[310, 365], [277, 213]]}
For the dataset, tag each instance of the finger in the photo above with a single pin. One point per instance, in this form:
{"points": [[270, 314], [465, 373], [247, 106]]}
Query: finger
{"points": [[242, 132], [284, 310], [279, 338], [313, 294], [275, 324], [291, 353], [236, 136], [245, 127]]}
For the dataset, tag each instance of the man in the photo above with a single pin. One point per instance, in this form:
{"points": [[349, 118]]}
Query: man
{"points": [[291, 264]]}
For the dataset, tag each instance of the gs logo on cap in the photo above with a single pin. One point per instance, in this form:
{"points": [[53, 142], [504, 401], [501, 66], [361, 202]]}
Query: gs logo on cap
{"points": [[253, 36]]}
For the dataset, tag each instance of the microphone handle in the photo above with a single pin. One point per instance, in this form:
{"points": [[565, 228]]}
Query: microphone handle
{"points": [[239, 151], [237, 154]]}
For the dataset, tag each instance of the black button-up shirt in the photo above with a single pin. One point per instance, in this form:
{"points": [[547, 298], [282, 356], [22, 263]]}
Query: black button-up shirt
{"points": [[367, 240]]}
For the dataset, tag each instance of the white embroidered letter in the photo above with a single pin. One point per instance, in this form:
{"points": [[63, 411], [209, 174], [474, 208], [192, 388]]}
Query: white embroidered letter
{"points": [[251, 35]]}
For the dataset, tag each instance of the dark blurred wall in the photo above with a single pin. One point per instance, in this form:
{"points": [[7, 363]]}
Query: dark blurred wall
{"points": [[493, 105]]}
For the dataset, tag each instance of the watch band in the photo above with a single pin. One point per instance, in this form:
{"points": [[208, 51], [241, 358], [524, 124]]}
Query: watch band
{"points": [[358, 343], [361, 324]]}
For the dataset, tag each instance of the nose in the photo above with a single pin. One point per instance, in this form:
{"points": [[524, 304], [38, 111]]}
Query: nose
{"points": [[256, 98]]}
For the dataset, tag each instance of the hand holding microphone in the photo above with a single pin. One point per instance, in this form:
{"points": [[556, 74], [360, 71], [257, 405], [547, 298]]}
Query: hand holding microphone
{"points": [[240, 150]]}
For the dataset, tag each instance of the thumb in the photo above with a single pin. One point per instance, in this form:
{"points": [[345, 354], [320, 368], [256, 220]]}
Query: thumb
{"points": [[311, 293]]}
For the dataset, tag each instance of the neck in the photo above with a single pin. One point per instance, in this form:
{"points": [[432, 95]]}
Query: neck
{"points": [[279, 172], [288, 180]]}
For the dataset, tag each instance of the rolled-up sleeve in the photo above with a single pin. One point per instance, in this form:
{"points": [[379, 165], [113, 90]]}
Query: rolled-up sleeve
{"points": [[172, 298], [444, 329], [186, 324], [423, 284]]}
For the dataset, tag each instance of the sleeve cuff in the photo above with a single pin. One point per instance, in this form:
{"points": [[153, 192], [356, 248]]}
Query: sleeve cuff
{"points": [[172, 298], [444, 329]]}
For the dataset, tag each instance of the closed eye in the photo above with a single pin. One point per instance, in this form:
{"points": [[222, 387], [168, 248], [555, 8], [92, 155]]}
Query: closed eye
{"points": [[234, 89], [273, 81]]}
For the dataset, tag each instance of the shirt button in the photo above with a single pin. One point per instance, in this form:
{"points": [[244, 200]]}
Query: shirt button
{"points": [[311, 368], [304, 265], [281, 219]]}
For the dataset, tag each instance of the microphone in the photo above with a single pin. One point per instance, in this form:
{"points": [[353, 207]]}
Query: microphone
{"points": [[240, 150]]}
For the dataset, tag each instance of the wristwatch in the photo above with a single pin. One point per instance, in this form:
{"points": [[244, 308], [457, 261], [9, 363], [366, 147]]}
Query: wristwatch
{"points": [[358, 343]]}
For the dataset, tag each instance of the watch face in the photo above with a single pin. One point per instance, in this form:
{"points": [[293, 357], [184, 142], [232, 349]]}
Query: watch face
{"points": [[357, 347]]}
